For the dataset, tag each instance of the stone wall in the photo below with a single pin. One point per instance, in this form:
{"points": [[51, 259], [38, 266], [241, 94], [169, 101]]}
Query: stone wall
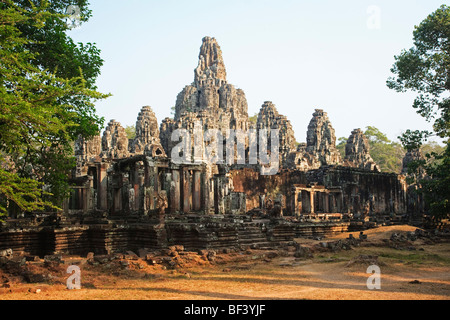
{"points": [[368, 192], [193, 232], [358, 192]]}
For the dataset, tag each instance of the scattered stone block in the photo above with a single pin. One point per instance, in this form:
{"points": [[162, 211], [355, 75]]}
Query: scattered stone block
{"points": [[6, 253], [411, 236], [302, 252], [32, 258], [102, 259], [53, 260], [272, 255], [363, 259], [30, 277], [178, 248], [130, 255], [211, 255], [142, 253]]}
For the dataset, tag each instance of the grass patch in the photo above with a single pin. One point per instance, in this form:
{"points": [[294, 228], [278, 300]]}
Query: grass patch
{"points": [[389, 255], [415, 257]]}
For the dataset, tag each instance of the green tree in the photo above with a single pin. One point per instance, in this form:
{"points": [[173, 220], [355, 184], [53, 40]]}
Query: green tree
{"points": [[45, 103], [425, 69], [386, 153], [131, 132], [253, 119], [431, 147], [342, 141]]}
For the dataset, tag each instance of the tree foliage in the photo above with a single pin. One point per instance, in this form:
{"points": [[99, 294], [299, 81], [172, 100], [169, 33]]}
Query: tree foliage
{"points": [[253, 119], [47, 97], [131, 132], [387, 154], [425, 69], [342, 141]]}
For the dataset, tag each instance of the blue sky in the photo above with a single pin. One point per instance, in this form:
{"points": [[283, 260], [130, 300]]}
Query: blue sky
{"points": [[301, 55]]}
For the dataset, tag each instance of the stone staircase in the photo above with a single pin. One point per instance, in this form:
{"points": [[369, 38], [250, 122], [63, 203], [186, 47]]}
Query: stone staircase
{"points": [[253, 235]]}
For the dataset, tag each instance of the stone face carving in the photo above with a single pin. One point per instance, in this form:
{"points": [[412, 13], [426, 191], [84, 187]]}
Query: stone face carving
{"points": [[210, 101], [269, 118], [357, 152], [114, 141], [302, 160], [211, 68], [147, 139], [320, 148], [86, 150], [321, 139]]}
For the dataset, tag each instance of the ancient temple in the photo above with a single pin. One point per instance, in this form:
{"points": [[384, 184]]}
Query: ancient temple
{"points": [[313, 177], [131, 193]]}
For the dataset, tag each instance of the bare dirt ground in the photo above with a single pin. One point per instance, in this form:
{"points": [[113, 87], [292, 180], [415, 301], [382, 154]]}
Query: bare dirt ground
{"points": [[419, 270]]}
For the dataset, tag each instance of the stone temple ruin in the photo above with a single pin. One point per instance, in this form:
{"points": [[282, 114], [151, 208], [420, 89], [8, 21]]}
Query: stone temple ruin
{"points": [[130, 194]]}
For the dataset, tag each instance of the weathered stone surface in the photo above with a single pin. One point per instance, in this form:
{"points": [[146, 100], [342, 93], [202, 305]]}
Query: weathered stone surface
{"points": [[114, 141], [87, 150], [269, 118], [320, 148], [302, 160], [147, 139], [357, 152], [209, 103], [147, 132], [168, 125], [119, 204], [53, 260], [6, 253], [302, 251], [321, 139], [211, 68]]}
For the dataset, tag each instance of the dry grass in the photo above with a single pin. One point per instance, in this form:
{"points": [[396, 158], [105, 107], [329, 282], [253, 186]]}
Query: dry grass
{"points": [[326, 276]]}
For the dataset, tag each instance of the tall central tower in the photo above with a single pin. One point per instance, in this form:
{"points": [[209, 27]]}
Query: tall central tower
{"points": [[210, 69], [209, 101]]}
